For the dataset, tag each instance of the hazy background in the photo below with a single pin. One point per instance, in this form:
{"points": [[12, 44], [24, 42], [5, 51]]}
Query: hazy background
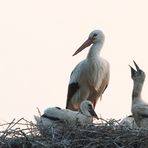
{"points": [[38, 38]]}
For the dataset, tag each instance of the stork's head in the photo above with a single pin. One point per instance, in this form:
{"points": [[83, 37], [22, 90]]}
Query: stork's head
{"points": [[95, 36], [137, 75], [87, 109]]}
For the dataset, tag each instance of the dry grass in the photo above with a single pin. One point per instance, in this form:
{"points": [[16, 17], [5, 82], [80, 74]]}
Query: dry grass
{"points": [[105, 134]]}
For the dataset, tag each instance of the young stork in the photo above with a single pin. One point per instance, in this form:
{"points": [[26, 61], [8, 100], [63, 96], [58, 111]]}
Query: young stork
{"points": [[90, 77], [139, 107], [129, 122], [55, 116]]}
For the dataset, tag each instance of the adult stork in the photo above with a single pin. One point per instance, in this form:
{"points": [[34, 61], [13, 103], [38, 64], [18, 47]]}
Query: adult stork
{"points": [[90, 77]]}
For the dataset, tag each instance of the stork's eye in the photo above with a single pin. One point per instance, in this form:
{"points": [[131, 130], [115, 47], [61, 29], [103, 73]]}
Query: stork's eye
{"points": [[95, 35], [89, 105]]}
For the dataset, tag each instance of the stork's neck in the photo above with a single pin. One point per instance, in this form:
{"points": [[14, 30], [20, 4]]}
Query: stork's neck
{"points": [[85, 112], [137, 89], [95, 50]]}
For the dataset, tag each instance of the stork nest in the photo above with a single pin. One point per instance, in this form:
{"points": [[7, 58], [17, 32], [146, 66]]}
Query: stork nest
{"points": [[105, 134]]}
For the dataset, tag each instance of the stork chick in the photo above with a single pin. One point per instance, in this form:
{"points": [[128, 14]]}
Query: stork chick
{"points": [[90, 77], [139, 107], [55, 116], [129, 122]]}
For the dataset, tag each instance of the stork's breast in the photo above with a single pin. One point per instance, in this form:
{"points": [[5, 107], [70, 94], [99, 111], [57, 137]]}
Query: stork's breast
{"points": [[98, 74]]}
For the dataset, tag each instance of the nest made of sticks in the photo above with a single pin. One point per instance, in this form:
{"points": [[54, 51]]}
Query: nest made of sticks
{"points": [[105, 134]]}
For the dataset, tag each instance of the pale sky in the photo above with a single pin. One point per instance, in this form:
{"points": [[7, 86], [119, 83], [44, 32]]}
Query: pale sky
{"points": [[38, 38]]}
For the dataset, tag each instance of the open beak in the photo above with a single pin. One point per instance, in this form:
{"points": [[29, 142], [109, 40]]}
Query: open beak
{"points": [[93, 113], [133, 71], [87, 43], [137, 67]]}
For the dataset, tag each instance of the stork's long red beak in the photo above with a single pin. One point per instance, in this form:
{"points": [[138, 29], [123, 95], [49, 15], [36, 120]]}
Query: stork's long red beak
{"points": [[87, 43]]}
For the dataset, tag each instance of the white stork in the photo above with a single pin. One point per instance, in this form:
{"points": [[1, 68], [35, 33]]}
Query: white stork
{"points": [[90, 77], [129, 122], [139, 107], [56, 117]]}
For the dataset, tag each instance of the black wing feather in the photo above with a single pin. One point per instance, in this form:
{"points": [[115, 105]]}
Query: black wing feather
{"points": [[72, 88], [50, 117]]}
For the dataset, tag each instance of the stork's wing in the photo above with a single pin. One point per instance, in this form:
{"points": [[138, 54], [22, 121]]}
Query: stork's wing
{"points": [[105, 79], [104, 83], [97, 93], [72, 88], [74, 84], [50, 117]]}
